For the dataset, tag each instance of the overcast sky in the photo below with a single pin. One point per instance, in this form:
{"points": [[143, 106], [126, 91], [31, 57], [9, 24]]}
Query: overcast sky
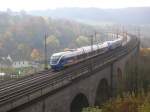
{"points": [[27, 5]]}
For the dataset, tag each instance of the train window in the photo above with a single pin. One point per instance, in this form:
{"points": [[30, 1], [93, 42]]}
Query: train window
{"points": [[54, 59]]}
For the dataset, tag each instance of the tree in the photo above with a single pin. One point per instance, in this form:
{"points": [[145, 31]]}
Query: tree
{"points": [[52, 44], [52, 41], [82, 41], [1, 45], [35, 55]]}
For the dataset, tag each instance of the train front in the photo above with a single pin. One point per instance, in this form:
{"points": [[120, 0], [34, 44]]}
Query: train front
{"points": [[55, 61]]}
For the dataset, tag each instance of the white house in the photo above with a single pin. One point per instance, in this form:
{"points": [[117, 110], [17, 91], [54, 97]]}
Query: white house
{"points": [[20, 64], [5, 62]]}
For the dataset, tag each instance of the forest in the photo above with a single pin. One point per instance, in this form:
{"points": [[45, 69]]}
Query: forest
{"points": [[22, 35]]}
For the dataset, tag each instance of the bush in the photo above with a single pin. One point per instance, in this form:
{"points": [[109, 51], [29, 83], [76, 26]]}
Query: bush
{"points": [[127, 103]]}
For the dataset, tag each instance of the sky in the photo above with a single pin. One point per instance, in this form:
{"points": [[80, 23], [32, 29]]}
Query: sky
{"points": [[28, 5]]}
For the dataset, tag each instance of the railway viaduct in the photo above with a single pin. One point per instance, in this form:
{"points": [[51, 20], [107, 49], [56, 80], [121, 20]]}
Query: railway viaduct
{"points": [[86, 84]]}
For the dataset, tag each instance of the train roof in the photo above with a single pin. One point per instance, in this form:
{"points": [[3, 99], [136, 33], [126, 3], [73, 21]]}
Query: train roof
{"points": [[60, 53], [80, 50], [72, 52]]}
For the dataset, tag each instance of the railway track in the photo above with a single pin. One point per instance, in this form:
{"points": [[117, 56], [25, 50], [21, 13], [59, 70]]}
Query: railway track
{"points": [[9, 83], [26, 81]]}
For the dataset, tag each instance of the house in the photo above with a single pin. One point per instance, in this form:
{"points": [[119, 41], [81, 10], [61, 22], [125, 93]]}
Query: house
{"points": [[21, 64], [5, 62]]}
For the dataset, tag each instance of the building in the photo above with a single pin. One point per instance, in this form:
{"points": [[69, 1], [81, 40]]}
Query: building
{"points": [[5, 62], [21, 64]]}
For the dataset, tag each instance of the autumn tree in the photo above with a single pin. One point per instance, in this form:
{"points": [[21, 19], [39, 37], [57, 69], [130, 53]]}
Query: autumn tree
{"points": [[52, 44], [35, 54], [82, 41], [21, 33]]}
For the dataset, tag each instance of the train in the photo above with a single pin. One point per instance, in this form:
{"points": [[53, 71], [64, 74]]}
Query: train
{"points": [[59, 61]]}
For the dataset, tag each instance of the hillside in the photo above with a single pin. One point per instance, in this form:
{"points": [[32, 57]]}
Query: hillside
{"points": [[139, 15], [22, 35]]}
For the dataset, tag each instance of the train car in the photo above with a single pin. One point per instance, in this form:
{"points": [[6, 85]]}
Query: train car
{"points": [[55, 62], [103, 48], [61, 60], [114, 44]]}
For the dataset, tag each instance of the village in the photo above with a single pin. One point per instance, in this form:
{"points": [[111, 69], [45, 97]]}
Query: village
{"points": [[11, 68]]}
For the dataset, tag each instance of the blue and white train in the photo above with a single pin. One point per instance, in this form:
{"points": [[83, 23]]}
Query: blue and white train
{"points": [[60, 60]]}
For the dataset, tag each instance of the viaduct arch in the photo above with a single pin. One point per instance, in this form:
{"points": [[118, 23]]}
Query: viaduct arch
{"points": [[102, 92], [79, 102]]}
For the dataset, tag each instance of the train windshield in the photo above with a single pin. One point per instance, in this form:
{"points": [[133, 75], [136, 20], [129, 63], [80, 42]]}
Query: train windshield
{"points": [[54, 59]]}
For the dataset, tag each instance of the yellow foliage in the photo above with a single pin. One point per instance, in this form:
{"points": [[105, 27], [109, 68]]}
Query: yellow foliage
{"points": [[52, 41], [66, 49], [82, 41], [145, 51], [35, 54], [1, 44], [127, 103]]}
